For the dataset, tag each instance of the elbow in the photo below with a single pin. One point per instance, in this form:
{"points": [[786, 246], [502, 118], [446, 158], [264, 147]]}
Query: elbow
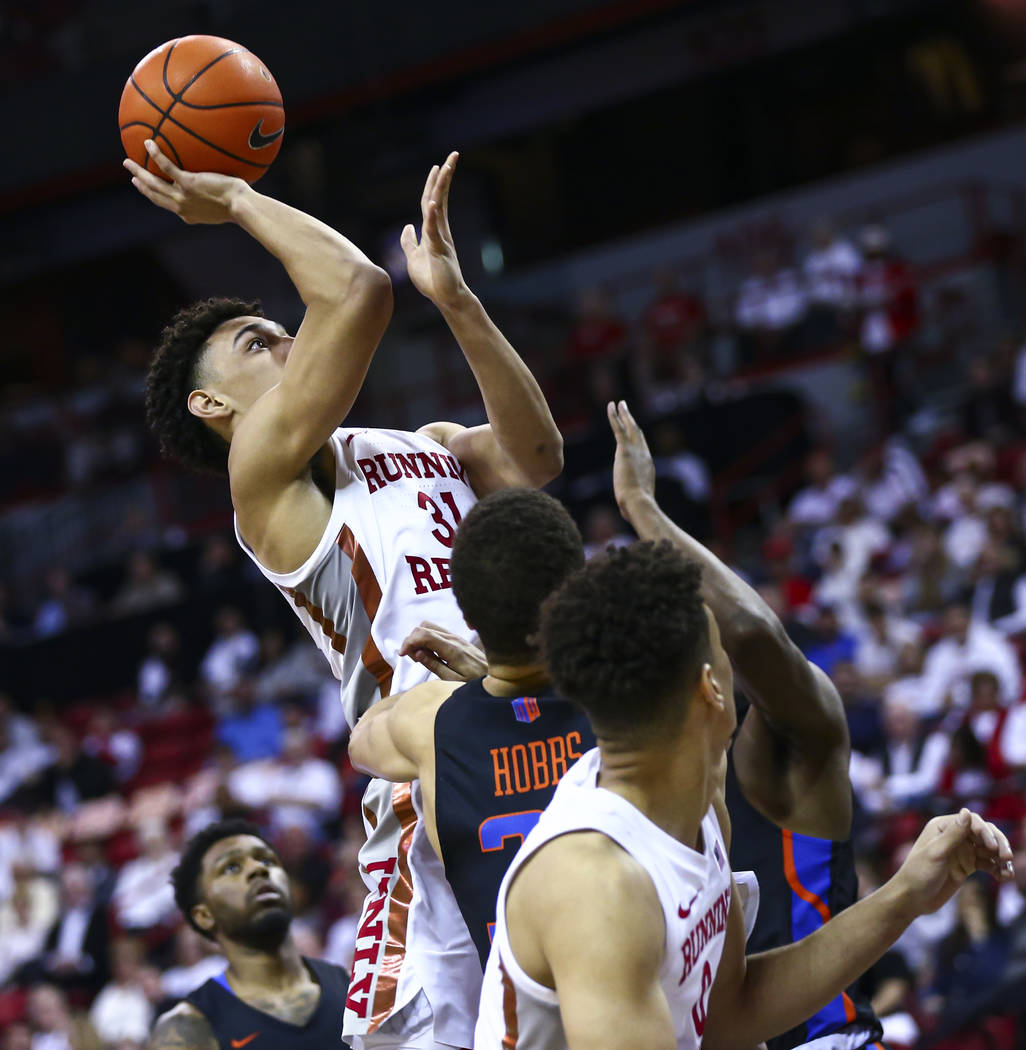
{"points": [[372, 284], [547, 461]]}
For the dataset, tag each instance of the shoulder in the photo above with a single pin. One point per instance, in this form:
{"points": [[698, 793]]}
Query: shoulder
{"points": [[606, 878], [183, 1028], [442, 432]]}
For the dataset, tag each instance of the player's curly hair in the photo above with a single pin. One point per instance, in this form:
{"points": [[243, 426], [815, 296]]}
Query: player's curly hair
{"points": [[176, 370], [185, 877], [511, 551], [626, 639]]}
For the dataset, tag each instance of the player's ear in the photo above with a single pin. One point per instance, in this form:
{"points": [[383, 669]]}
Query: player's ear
{"points": [[710, 689], [203, 917], [208, 406]]}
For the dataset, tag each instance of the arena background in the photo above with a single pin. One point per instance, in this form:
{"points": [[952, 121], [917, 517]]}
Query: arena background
{"points": [[792, 233]]}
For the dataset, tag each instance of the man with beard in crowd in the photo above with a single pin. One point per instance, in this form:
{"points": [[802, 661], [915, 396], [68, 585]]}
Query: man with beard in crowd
{"points": [[231, 888]]}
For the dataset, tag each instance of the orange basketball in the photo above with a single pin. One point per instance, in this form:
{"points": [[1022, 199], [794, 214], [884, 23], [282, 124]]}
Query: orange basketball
{"points": [[209, 104]]}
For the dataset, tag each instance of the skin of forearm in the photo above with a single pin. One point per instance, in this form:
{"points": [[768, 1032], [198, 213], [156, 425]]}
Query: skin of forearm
{"points": [[739, 610], [320, 262], [515, 405], [783, 987]]}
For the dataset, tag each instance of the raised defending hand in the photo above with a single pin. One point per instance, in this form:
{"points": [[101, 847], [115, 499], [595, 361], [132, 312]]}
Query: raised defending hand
{"points": [[633, 469], [195, 197], [431, 262], [447, 655], [947, 852]]}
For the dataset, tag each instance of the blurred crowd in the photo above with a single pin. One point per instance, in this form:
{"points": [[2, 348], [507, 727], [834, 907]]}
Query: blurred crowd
{"points": [[899, 568]]}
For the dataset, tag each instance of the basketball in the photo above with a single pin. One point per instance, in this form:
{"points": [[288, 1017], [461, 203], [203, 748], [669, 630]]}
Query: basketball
{"points": [[209, 104]]}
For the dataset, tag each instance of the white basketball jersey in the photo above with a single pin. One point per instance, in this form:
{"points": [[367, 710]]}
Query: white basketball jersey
{"points": [[694, 892], [382, 567]]}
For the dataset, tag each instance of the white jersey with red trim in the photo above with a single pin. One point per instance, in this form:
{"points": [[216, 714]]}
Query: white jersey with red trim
{"points": [[382, 567], [694, 892]]}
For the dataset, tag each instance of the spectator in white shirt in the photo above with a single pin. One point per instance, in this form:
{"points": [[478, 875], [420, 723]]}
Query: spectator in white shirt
{"points": [[20, 761], [232, 654], [298, 789], [891, 480], [908, 768], [879, 638], [160, 672], [22, 929], [831, 268], [859, 536], [123, 1011], [966, 648], [196, 961], [143, 896], [817, 503]]}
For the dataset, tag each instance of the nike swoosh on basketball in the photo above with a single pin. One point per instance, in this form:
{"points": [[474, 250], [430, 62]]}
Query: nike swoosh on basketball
{"points": [[258, 140], [685, 912], [237, 1043]]}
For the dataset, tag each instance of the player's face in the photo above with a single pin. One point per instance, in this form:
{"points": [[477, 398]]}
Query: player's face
{"points": [[245, 357], [245, 892]]}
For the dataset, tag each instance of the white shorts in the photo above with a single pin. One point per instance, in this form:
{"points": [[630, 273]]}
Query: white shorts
{"points": [[412, 1028]]}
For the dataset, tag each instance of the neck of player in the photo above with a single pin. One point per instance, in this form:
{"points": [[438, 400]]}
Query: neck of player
{"points": [[671, 781], [506, 679], [251, 969]]}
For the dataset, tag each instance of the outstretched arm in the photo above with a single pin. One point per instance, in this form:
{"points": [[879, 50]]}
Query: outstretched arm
{"points": [[791, 753], [348, 304], [394, 738], [764, 995], [520, 445]]}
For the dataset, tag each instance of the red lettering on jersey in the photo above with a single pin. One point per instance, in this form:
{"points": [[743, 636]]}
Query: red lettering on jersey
{"points": [[539, 763], [444, 567], [370, 472], [713, 922], [408, 465], [380, 460], [429, 459], [433, 575], [357, 988], [501, 771], [698, 1011], [421, 570], [375, 929]]}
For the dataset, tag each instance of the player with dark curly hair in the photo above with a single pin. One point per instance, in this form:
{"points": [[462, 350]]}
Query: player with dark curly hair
{"points": [[232, 889], [619, 922], [354, 526], [488, 753]]}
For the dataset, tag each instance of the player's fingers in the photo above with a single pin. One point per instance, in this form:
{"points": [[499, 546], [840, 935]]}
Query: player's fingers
{"points": [[429, 188], [983, 833], [161, 161], [614, 419], [432, 229], [153, 194], [441, 193], [630, 423], [436, 666], [408, 239], [950, 832]]}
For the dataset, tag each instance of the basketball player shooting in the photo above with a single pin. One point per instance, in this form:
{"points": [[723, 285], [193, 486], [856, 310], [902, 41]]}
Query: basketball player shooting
{"points": [[354, 526]]}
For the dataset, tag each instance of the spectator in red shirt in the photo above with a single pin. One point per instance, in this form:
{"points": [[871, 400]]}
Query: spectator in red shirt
{"points": [[597, 332]]}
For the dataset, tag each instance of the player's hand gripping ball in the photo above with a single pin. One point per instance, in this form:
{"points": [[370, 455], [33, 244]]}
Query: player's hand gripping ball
{"points": [[209, 104]]}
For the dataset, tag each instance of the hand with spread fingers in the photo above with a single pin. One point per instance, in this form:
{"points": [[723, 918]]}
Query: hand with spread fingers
{"points": [[195, 197], [947, 852], [633, 468], [431, 262], [447, 655]]}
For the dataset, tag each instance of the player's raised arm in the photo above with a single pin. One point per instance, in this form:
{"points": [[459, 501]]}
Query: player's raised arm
{"points": [[764, 995], [348, 305], [521, 444], [791, 753]]}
